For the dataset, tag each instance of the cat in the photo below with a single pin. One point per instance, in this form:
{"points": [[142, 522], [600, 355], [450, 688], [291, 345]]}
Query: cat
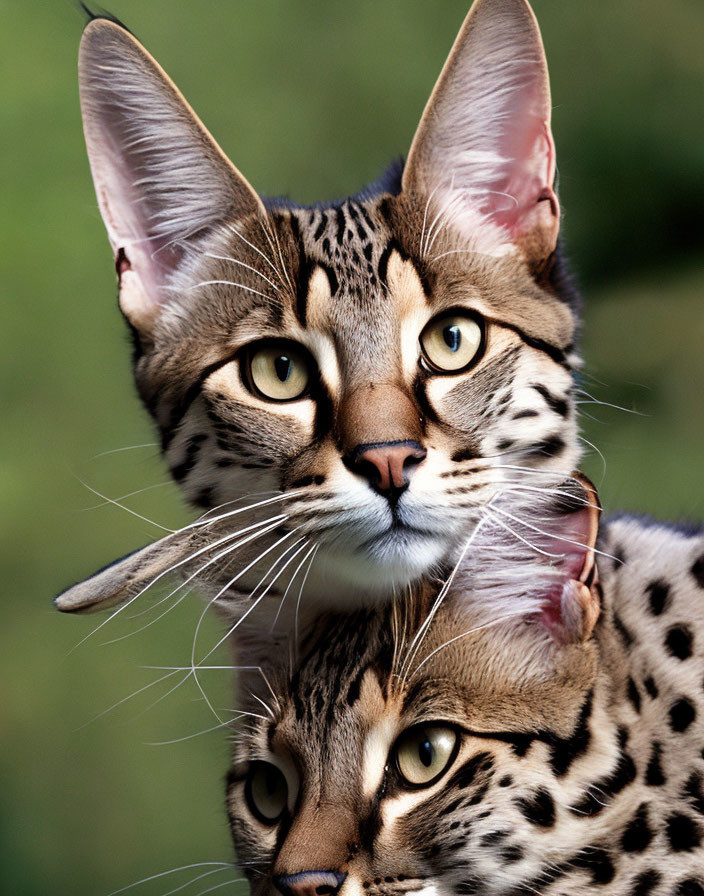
{"points": [[537, 727], [546, 754], [386, 366]]}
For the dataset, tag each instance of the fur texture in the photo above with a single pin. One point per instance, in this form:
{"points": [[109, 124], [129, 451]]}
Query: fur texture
{"points": [[208, 271], [579, 763]]}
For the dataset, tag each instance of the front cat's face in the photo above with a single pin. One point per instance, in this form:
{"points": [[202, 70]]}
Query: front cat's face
{"points": [[382, 777], [390, 393], [384, 365]]}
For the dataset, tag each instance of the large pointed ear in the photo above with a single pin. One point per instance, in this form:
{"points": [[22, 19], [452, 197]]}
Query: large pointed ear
{"points": [[484, 147], [126, 578], [159, 176]]}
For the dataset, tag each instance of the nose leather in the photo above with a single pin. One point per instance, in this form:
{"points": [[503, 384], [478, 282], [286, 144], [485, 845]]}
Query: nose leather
{"points": [[309, 883], [387, 465]]}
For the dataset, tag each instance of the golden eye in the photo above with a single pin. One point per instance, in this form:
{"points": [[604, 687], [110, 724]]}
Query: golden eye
{"points": [[266, 792], [452, 342], [424, 752], [279, 371]]}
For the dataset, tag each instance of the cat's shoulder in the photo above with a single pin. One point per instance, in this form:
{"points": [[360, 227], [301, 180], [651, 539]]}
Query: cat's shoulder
{"points": [[653, 577]]}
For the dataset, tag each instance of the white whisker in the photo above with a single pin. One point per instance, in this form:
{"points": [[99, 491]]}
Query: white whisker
{"points": [[171, 871], [242, 264], [300, 593], [254, 248], [291, 580], [477, 628], [125, 448], [122, 507], [231, 283]]}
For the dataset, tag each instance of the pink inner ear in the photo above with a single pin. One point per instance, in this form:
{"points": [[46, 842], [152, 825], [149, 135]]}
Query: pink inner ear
{"points": [[573, 540], [526, 179]]}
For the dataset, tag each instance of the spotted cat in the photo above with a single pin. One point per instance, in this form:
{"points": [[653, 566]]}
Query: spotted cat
{"points": [[385, 364], [537, 727], [544, 755]]}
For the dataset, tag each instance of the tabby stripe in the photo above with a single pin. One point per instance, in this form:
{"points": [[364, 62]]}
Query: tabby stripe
{"points": [[371, 226], [361, 232], [321, 227], [181, 408], [554, 402], [552, 351], [600, 794], [339, 235]]}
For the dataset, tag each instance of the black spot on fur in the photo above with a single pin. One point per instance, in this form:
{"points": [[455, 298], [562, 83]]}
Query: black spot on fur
{"points": [[645, 883], [619, 555], [598, 862], [637, 834], [697, 571], [693, 792], [658, 596], [302, 482], [465, 776], [654, 775], [538, 809], [566, 750], [494, 837], [464, 454], [554, 402], [633, 694], [600, 794], [521, 744], [506, 781], [511, 854], [549, 447], [682, 713], [623, 632], [193, 446], [683, 832], [678, 641], [651, 687], [689, 887], [204, 498]]}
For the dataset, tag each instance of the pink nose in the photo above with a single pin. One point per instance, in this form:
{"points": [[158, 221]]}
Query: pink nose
{"points": [[387, 465]]}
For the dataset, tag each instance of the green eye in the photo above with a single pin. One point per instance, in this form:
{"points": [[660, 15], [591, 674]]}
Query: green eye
{"points": [[266, 792], [452, 342], [279, 371], [424, 752]]}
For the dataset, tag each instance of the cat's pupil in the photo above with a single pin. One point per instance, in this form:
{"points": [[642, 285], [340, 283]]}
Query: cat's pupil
{"points": [[452, 337], [282, 366], [271, 782], [425, 753]]}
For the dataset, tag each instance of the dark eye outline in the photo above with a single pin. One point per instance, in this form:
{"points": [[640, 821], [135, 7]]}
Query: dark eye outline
{"points": [[251, 803], [410, 785], [433, 369], [246, 354]]}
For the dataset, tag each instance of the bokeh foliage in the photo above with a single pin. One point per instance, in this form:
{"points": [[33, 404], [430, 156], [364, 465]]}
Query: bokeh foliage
{"points": [[311, 100]]}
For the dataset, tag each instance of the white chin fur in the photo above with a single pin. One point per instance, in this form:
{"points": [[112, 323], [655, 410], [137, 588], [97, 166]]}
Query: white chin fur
{"points": [[390, 561]]}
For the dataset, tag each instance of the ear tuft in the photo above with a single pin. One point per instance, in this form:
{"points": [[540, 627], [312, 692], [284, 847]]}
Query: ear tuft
{"points": [[101, 14]]}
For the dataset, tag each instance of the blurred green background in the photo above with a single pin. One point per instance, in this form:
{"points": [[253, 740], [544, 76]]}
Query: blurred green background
{"points": [[312, 100]]}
